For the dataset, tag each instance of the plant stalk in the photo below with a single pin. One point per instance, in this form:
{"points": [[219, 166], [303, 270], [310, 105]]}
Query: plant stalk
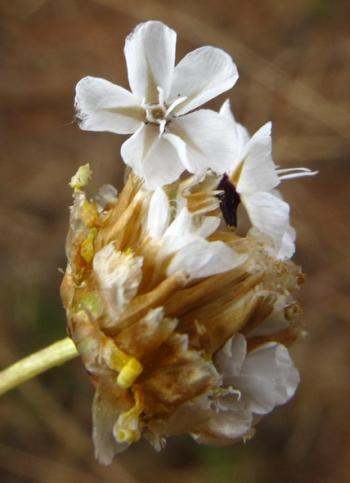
{"points": [[34, 364]]}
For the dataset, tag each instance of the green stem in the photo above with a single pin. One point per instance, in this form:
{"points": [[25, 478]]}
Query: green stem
{"points": [[33, 365]]}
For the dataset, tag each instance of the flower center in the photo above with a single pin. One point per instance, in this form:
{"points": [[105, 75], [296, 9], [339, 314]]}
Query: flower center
{"points": [[155, 113], [160, 113]]}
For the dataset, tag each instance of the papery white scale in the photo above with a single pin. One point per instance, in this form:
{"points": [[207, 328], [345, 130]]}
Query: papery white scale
{"points": [[167, 137]]}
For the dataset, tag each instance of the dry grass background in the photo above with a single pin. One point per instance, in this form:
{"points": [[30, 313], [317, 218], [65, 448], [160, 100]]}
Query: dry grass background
{"points": [[293, 60]]}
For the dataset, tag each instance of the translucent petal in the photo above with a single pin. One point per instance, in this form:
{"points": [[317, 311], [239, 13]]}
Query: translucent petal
{"points": [[287, 247], [275, 322], [224, 427], [258, 172], [239, 132], [268, 213], [106, 194], [154, 157], [202, 259], [185, 229], [209, 141], [158, 214], [268, 378], [202, 75], [104, 415], [103, 106], [230, 358]]}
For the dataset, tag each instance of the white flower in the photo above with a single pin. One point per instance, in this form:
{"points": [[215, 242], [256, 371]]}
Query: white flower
{"points": [[167, 137], [253, 384], [265, 377], [255, 177], [185, 239]]}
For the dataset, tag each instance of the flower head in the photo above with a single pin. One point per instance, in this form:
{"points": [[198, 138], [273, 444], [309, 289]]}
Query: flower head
{"points": [[181, 320], [156, 291], [167, 137]]}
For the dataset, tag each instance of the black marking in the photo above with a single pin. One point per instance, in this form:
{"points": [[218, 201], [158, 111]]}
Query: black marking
{"points": [[229, 201]]}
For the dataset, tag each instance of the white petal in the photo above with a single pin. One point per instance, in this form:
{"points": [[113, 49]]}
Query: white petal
{"points": [[106, 194], [180, 233], [135, 149], [203, 259], [185, 229], [267, 213], [150, 58], [287, 247], [104, 416], [209, 141], [268, 378], [224, 426], [158, 214], [201, 75], [185, 222], [275, 322], [240, 133], [103, 106], [258, 172], [119, 274], [230, 358], [208, 225], [154, 157]]}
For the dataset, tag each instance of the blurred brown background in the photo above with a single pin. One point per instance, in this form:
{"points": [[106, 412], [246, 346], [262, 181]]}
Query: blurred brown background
{"points": [[293, 58]]}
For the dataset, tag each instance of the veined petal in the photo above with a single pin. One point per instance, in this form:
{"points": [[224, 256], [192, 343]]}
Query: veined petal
{"points": [[201, 75], [203, 259], [208, 138], [268, 378], [258, 172], [103, 106], [268, 213], [158, 214], [153, 157], [150, 58]]}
